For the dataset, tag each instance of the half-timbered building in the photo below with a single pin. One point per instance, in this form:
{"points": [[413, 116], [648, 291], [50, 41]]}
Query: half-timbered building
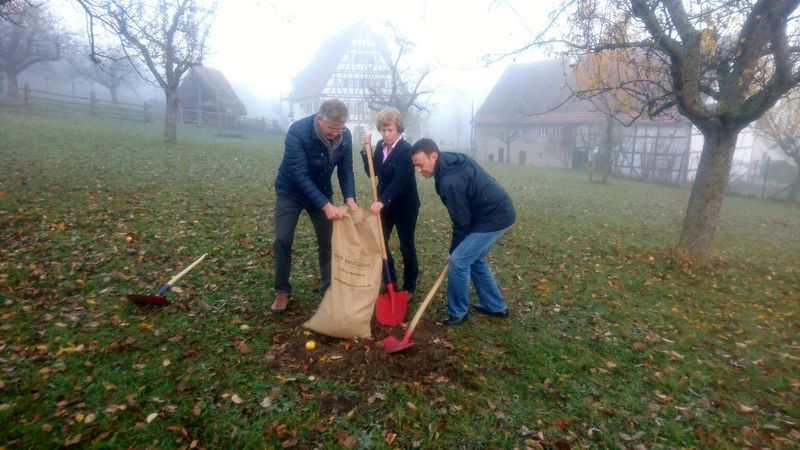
{"points": [[346, 67]]}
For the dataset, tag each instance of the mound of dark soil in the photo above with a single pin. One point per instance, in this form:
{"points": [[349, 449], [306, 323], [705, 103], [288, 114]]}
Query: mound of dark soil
{"points": [[432, 358]]}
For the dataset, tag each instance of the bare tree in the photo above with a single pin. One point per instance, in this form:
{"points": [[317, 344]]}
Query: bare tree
{"points": [[30, 35], [111, 71], [10, 8], [168, 37], [406, 88], [721, 64], [781, 127], [512, 129]]}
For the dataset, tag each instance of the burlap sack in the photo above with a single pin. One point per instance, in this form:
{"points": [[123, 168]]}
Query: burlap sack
{"points": [[347, 308]]}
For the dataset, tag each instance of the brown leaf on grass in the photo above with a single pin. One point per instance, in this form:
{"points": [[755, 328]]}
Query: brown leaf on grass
{"points": [[562, 445], [561, 423], [748, 431], [114, 408], [663, 398], [318, 427], [743, 408], [703, 436], [178, 429], [267, 402], [72, 440], [345, 440], [628, 438], [241, 346], [289, 443], [533, 445]]}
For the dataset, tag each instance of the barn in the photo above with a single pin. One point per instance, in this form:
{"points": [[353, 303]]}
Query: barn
{"points": [[208, 99]]}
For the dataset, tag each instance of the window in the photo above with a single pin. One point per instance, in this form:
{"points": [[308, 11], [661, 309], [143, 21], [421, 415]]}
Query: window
{"points": [[542, 130]]}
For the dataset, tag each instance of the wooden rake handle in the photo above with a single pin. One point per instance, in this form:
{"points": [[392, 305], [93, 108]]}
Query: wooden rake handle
{"points": [[186, 270], [427, 300]]}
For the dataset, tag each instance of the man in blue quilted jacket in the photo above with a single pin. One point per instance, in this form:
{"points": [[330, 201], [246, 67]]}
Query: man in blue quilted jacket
{"points": [[314, 146]]}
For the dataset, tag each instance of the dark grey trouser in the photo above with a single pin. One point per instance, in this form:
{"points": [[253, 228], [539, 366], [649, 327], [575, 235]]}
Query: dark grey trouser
{"points": [[406, 224], [287, 213]]}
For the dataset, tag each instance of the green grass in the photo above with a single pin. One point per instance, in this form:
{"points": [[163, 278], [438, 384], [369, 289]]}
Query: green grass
{"points": [[612, 343]]}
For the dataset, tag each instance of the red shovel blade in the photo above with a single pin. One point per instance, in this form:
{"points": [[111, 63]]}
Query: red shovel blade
{"points": [[394, 345], [390, 308], [144, 300]]}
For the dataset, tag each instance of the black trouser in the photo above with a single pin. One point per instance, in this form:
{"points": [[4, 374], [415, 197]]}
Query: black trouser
{"points": [[287, 213], [406, 224]]}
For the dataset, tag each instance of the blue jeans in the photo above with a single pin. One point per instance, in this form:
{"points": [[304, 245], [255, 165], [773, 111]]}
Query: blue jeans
{"points": [[469, 261]]}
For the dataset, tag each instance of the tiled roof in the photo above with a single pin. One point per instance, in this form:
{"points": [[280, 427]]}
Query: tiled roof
{"points": [[311, 81], [217, 82]]}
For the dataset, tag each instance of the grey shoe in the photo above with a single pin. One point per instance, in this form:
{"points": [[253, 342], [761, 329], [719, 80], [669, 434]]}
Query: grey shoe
{"points": [[501, 314]]}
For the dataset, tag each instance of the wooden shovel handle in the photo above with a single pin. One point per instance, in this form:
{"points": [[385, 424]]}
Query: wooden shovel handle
{"points": [[186, 270], [427, 300], [382, 245]]}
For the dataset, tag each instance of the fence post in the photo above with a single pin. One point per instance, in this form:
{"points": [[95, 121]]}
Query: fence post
{"points": [[27, 94], [93, 103], [766, 171], [146, 107]]}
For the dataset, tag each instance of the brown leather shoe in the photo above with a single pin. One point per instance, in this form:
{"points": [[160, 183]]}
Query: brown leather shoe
{"points": [[280, 303]]}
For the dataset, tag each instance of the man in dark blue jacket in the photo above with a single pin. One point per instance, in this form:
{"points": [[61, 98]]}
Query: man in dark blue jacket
{"points": [[481, 212], [314, 146]]}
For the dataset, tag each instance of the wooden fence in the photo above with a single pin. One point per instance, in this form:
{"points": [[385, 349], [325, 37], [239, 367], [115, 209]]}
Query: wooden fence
{"points": [[144, 112]]}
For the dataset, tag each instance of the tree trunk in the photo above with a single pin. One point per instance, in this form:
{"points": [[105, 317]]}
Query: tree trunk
{"points": [[13, 86], [604, 159], [794, 190], [171, 116], [114, 96], [708, 191]]}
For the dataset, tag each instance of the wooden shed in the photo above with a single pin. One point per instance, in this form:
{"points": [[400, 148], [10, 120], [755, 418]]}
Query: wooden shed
{"points": [[207, 98]]}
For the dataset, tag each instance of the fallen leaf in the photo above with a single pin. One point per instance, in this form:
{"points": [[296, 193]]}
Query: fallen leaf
{"points": [[267, 402], [534, 445], [166, 362], [72, 440], [236, 399], [151, 417], [179, 429], [345, 440], [241, 347]]}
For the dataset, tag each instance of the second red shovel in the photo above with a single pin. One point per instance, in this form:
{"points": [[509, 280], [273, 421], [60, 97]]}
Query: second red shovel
{"points": [[394, 345]]}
